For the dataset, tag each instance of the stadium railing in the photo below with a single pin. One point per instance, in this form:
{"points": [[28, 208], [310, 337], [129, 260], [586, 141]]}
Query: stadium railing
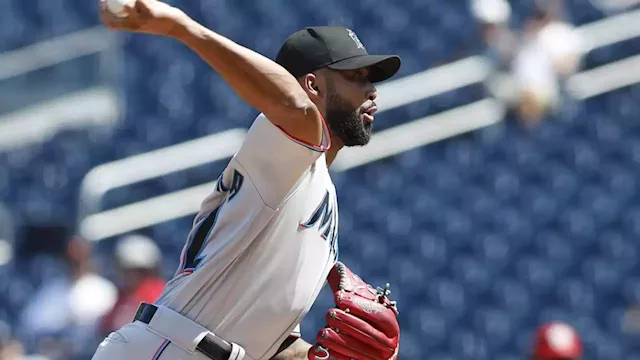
{"points": [[96, 225], [39, 99]]}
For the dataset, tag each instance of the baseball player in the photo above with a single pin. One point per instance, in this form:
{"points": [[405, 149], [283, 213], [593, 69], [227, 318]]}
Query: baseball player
{"points": [[557, 341], [266, 240]]}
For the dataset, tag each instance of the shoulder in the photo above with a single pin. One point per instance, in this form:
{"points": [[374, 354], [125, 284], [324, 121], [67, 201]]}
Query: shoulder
{"points": [[273, 160], [264, 126]]}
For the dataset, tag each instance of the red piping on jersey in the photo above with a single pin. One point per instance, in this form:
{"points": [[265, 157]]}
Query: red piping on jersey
{"points": [[325, 135], [160, 350]]}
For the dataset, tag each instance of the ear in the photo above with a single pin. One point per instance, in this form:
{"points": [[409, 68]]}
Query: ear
{"points": [[310, 85]]}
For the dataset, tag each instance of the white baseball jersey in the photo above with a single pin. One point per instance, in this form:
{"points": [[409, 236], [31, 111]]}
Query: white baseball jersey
{"points": [[262, 244]]}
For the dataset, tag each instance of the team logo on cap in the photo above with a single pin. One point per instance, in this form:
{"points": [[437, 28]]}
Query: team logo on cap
{"points": [[355, 39]]}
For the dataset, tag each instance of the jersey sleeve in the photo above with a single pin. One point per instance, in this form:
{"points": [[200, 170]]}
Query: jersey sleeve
{"points": [[275, 161]]}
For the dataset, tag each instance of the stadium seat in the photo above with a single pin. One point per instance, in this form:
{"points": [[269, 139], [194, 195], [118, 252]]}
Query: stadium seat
{"points": [[483, 236]]}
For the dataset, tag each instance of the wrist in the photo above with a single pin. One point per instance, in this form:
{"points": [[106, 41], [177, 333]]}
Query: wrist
{"points": [[300, 351], [183, 26]]}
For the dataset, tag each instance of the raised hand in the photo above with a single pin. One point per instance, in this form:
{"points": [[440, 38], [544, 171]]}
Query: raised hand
{"points": [[145, 16]]}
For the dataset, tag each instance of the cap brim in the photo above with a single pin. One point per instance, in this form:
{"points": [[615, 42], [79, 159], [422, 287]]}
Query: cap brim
{"points": [[381, 67]]}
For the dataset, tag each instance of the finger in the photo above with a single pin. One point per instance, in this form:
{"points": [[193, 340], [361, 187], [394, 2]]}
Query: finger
{"points": [[111, 21], [339, 343], [133, 11], [349, 325], [107, 18], [143, 8], [144, 4], [117, 23]]}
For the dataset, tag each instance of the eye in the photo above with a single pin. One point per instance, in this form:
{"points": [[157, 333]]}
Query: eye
{"points": [[359, 75]]}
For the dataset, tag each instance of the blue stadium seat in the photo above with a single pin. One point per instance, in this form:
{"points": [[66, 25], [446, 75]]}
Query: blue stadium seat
{"points": [[483, 236]]}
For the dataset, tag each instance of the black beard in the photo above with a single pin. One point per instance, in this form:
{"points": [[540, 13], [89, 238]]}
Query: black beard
{"points": [[346, 123]]}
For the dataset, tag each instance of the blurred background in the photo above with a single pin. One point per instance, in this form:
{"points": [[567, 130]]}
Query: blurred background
{"points": [[499, 193]]}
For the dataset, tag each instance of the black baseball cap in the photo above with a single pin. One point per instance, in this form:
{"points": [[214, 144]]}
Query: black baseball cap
{"points": [[334, 47]]}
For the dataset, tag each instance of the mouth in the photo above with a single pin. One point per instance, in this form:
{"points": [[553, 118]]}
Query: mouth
{"points": [[368, 113]]}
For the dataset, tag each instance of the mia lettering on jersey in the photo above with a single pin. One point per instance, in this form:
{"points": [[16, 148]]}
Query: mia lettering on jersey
{"points": [[326, 215]]}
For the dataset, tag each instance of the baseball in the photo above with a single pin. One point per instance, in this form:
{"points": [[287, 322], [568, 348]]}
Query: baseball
{"points": [[116, 7]]}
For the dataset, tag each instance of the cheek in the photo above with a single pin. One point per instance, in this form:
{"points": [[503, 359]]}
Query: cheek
{"points": [[352, 94], [357, 97]]}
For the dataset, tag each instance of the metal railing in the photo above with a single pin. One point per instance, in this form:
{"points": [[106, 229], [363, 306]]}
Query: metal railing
{"points": [[393, 94], [87, 105]]}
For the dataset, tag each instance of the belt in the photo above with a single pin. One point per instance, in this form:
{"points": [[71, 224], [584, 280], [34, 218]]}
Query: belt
{"points": [[212, 346]]}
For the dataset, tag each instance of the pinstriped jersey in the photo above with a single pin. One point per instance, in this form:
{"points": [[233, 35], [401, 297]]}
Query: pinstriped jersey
{"points": [[262, 244]]}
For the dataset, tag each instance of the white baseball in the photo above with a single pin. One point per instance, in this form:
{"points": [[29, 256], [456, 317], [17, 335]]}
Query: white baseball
{"points": [[116, 7]]}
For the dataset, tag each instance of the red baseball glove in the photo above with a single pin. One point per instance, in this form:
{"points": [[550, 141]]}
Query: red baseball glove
{"points": [[362, 326]]}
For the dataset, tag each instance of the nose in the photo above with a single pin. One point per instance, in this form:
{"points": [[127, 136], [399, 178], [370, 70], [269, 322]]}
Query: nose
{"points": [[372, 94]]}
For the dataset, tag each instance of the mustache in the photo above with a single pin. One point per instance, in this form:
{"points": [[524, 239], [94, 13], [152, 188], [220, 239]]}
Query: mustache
{"points": [[371, 106]]}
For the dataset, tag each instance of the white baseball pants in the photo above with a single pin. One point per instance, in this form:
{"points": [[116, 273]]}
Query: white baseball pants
{"points": [[169, 336]]}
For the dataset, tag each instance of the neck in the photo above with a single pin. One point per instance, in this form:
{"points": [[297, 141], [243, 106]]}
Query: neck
{"points": [[336, 145]]}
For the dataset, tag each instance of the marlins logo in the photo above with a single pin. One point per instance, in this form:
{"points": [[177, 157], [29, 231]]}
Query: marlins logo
{"points": [[355, 39], [326, 215]]}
